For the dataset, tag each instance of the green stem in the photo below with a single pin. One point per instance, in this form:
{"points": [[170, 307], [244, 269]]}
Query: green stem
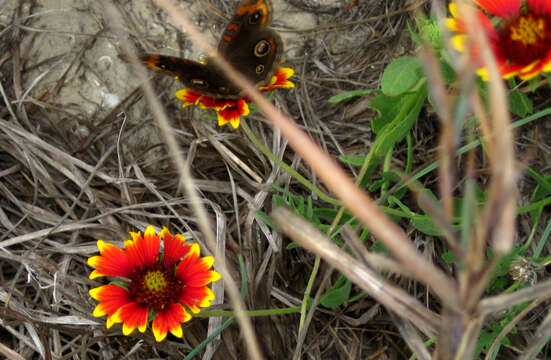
{"points": [[205, 342], [286, 167], [534, 206], [307, 292], [252, 313]]}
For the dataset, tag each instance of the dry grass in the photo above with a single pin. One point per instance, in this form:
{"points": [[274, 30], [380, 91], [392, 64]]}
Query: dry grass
{"points": [[72, 172]]}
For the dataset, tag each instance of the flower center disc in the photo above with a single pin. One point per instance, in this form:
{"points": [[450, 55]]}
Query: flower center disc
{"points": [[155, 287], [526, 39]]}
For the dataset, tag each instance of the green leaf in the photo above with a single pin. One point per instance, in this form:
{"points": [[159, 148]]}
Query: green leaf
{"points": [[520, 104], [484, 342], [379, 247], [401, 76], [543, 189], [401, 124], [278, 200], [119, 283], [430, 197], [392, 200], [265, 218], [449, 257], [291, 245], [499, 284], [391, 176], [353, 160], [209, 115], [533, 82], [336, 296], [479, 200], [350, 94], [387, 107], [448, 72], [429, 31], [425, 225], [375, 185]]}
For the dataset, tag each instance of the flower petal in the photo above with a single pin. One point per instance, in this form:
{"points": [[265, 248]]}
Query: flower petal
{"points": [[457, 24], [194, 271], [144, 250], [531, 71], [189, 97], [502, 8], [540, 6], [195, 297], [112, 261], [459, 41], [174, 248], [547, 63], [233, 114], [279, 80], [111, 298], [170, 320], [207, 102], [132, 315]]}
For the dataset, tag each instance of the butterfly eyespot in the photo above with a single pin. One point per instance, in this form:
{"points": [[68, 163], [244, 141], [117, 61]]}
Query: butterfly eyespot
{"points": [[199, 83], [255, 18], [262, 48], [259, 69]]}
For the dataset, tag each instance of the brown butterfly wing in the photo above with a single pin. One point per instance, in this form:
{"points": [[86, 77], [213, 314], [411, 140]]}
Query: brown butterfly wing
{"points": [[249, 44], [204, 79]]}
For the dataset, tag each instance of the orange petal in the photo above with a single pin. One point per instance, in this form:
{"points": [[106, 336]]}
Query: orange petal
{"points": [[194, 271], [144, 250], [111, 298], [207, 102], [547, 63], [174, 248], [131, 315], [279, 80], [170, 320], [112, 261], [195, 297], [457, 24], [531, 71], [540, 6], [501, 8], [189, 97]]}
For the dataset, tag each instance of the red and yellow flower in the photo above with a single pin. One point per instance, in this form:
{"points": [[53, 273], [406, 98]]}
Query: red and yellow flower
{"points": [[231, 110], [160, 284], [519, 35]]}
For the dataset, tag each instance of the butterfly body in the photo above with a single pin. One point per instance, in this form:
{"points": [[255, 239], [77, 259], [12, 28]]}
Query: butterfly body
{"points": [[247, 43]]}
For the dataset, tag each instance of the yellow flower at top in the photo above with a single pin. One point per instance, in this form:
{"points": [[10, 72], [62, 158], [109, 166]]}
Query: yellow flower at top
{"points": [[231, 110], [519, 36], [161, 284]]}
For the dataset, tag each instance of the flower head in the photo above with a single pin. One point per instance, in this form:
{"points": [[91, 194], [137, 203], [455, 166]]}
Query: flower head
{"points": [[520, 37], [162, 284], [524, 270], [231, 110]]}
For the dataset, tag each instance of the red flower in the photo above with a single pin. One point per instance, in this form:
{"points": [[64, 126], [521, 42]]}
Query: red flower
{"points": [[231, 114], [231, 110], [161, 283], [279, 80], [520, 38]]}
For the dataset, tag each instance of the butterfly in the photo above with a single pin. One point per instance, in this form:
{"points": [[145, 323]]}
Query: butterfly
{"points": [[247, 43]]}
